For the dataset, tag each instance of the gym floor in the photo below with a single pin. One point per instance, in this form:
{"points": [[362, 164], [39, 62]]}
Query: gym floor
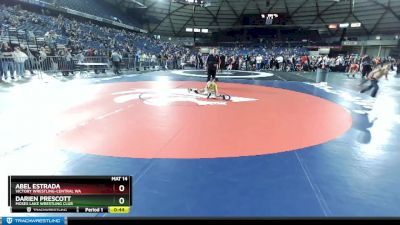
{"points": [[283, 145]]}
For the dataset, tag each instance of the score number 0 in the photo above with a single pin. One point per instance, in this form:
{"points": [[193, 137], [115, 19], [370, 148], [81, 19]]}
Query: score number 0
{"points": [[121, 200]]}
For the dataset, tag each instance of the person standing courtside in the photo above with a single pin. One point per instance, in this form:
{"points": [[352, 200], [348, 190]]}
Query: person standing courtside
{"points": [[212, 63], [222, 63], [7, 60], [366, 63], [374, 77], [116, 60]]}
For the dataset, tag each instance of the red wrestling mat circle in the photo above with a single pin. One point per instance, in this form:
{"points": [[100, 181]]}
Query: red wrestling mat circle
{"points": [[171, 123]]}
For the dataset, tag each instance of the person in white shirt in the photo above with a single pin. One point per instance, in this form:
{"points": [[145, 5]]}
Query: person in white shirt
{"points": [[279, 60], [259, 60], [19, 59], [153, 60], [240, 63]]}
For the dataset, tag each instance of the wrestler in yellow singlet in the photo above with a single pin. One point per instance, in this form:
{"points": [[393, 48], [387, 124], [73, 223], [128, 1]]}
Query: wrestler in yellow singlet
{"points": [[212, 88]]}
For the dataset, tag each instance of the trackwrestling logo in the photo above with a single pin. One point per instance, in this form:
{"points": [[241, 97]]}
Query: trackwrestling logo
{"points": [[164, 97], [33, 220]]}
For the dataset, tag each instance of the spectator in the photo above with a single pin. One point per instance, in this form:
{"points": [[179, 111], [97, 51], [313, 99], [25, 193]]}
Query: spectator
{"points": [[43, 58], [259, 60], [31, 59], [7, 60], [116, 59], [20, 58], [279, 62]]}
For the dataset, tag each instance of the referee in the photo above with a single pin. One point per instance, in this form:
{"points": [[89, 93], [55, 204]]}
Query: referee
{"points": [[212, 63]]}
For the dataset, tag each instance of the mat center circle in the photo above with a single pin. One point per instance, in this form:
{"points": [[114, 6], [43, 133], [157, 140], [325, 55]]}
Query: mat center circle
{"points": [[172, 123]]}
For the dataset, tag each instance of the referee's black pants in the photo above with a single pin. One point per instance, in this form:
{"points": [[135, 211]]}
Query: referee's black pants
{"points": [[211, 73]]}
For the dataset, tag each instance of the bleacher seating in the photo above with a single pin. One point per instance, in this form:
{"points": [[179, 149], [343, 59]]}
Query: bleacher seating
{"points": [[96, 8], [86, 33], [262, 50]]}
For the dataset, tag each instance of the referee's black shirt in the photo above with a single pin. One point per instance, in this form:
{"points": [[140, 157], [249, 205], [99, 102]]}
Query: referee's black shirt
{"points": [[211, 61]]}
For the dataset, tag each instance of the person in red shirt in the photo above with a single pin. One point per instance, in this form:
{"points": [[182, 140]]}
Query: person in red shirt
{"points": [[303, 60], [354, 67]]}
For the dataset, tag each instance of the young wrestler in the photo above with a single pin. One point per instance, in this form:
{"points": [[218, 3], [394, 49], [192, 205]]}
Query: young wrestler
{"points": [[354, 67], [210, 89]]}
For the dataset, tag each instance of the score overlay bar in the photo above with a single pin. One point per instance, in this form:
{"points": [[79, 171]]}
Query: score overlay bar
{"points": [[75, 194]]}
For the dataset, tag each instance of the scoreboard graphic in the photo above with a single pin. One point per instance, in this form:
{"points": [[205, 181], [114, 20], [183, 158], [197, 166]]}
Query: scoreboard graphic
{"points": [[70, 194]]}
